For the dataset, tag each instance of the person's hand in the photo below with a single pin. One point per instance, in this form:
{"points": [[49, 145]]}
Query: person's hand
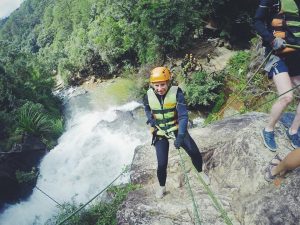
{"points": [[151, 122], [153, 130], [179, 140], [278, 44]]}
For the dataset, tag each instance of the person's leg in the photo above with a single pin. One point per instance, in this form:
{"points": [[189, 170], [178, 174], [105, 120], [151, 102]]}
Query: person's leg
{"points": [[162, 152], [283, 83], [192, 150], [290, 162], [296, 122]]}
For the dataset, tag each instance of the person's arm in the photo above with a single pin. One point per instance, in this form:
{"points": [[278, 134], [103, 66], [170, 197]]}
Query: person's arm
{"points": [[262, 18], [150, 119], [182, 113]]}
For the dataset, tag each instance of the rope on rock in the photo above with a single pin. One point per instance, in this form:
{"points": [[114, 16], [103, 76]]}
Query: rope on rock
{"points": [[182, 164], [266, 102], [189, 188], [238, 93], [209, 191], [215, 201]]}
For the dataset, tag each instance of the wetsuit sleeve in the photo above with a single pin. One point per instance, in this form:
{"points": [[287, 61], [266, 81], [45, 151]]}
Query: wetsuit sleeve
{"points": [[262, 18], [150, 119], [182, 112]]}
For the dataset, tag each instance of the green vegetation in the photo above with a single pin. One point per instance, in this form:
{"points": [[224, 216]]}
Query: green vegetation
{"points": [[255, 95], [26, 177], [203, 88], [99, 37], [32, 120], [27, 106], [78, 38], [102, 213]]}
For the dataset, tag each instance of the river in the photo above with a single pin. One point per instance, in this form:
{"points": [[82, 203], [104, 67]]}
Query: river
{"points": [[98, 142]]}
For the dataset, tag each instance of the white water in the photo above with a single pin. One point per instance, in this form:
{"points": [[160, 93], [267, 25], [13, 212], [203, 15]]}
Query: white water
{"points": [[88, 157]]}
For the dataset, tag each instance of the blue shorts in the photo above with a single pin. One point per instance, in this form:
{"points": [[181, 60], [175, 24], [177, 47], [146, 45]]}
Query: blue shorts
{"points": [[289, 64]]}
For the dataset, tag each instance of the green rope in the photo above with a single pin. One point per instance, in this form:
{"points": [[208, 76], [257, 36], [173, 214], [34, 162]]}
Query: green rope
{"points": [[213, 197], [209, 192], [264, 103], [215, 201], [237, 94], [76, 211], [293, 46], [189, 188], [182, 164], [256, 107]]}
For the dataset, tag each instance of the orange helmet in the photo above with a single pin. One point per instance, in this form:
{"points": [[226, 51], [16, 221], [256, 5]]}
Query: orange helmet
{"points": [[160, 74]]}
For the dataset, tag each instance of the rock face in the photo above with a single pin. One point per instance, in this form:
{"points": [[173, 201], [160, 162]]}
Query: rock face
{"points": [[23, 157], [235, 158]]}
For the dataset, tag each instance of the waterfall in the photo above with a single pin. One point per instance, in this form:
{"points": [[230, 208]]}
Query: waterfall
{"points": [[93, 150]]}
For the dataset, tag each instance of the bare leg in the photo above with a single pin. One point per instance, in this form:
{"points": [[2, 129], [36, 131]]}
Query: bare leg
{"points": [[283, 83], [290, 162], [296, 122]]}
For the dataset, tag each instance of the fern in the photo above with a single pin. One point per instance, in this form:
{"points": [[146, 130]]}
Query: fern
{"points": [[32, 120]]}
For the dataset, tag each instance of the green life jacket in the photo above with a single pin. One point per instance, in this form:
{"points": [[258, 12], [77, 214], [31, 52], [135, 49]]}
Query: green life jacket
{"points": [[286, 23], [165, 113]]}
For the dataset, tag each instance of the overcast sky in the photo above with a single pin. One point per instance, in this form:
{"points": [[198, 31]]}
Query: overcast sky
{"points": [[8, 6]]}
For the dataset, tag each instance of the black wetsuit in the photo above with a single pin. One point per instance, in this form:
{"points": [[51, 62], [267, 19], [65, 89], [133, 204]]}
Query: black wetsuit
{"points": [[162, 144], [265, 12]]}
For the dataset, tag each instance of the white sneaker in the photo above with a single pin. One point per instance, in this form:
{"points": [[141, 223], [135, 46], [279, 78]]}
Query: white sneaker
{"points": [[205, 178], [161, 192]]}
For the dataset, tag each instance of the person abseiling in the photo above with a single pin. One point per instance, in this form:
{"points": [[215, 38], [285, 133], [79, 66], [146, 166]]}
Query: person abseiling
{"points": [[278, 23], [167, 114]]}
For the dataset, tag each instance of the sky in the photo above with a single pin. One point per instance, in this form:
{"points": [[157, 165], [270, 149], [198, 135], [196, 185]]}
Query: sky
{"points": [[8, 6]]}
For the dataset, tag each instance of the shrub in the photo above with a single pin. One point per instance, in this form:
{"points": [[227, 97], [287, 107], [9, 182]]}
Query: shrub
{"points": [[57, 126], [32, 120], [238, 65], [26, 177], [103, 213], [202, 89]]}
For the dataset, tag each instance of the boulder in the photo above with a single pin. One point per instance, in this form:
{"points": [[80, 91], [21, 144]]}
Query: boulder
{"points": [[235, 158], [23, 157]]}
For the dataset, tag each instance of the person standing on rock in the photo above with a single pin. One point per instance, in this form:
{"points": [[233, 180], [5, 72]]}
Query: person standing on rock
{"points": [[167, 114], [273, 20]]}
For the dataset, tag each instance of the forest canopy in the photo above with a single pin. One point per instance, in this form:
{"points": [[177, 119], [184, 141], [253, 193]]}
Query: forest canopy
{"points": [[74, 38]]}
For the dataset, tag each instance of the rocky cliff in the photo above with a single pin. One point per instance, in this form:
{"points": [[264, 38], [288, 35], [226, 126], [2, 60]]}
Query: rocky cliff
{"points": [[23, 157], [235, 158]]}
